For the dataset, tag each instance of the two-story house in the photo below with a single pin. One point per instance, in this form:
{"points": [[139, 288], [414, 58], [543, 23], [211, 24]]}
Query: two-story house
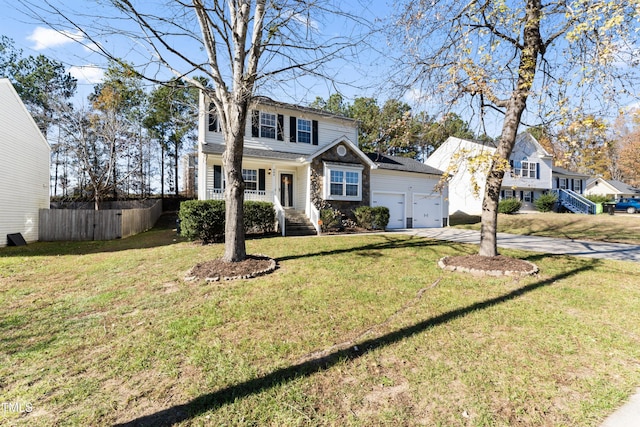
{"points": [[530, 173], [304, 160]]}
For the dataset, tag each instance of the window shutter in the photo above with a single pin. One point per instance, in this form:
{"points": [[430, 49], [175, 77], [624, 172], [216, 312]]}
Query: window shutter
{"points": [[293, 129], [280, 128], [217, 176], [511, 163], [502, 194], [537, 170], [255, 123], [558, 183], [314, 135], [261, 180], [521, 195]]}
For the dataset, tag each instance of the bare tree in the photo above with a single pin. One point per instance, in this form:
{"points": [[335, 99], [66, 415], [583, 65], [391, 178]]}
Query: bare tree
{"points": [[500, 54], [246, 43]]}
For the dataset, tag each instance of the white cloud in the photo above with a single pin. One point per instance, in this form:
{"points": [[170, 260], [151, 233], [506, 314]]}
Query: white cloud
{"points": [[46, 37], [87, 73]]}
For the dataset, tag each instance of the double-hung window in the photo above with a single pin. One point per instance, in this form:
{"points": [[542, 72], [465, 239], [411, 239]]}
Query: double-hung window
{"points": [[304, 131], [343, 182], [250, 177], [528, 170], [268, 125]]}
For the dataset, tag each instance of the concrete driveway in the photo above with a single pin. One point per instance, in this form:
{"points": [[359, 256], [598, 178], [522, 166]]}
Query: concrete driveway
{"points": [[582, 248]]}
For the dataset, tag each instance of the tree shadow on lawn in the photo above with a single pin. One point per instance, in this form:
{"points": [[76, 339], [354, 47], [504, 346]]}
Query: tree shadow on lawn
{"points": [[211, 401], [391, 241]]}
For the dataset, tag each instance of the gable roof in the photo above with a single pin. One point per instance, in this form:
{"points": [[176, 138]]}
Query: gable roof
{"points": [[616, 185], [405, 164], [527, 137], [344, 140]]}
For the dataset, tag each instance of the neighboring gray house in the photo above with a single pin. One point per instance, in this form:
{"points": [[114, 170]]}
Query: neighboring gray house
{"points": [[24, 168], [302, 158], [610, 188]]}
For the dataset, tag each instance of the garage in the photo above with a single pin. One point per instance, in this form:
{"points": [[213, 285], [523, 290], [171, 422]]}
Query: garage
{"points": [[395, 203], [427, 211]]}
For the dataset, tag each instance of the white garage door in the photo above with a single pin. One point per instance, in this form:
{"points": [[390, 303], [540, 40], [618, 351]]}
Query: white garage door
{"points": [[427, 211], [395, 203]]}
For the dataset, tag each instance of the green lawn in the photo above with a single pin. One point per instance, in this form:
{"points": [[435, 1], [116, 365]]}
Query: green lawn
{"points": [[350, 330]]}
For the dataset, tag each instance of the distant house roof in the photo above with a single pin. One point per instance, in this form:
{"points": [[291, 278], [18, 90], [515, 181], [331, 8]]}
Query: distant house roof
{"points": [[404, 164], [562, 171], [620, 186]]}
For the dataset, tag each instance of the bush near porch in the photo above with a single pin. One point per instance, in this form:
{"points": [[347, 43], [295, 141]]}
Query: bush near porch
{"points": [[204, 219]]}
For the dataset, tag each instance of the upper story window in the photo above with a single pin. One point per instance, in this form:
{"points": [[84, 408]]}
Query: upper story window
{"points": [[343, 182], [214, 121], [267, 125], [525, 169], [304, 131]]}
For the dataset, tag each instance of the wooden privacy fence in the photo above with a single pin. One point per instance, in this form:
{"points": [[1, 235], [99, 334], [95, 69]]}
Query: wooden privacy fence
{"points": [[89, 224]]}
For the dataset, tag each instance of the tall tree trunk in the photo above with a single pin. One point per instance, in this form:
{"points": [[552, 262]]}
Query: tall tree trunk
{"points": [[514, 107], [234, 245], [161, 171]]}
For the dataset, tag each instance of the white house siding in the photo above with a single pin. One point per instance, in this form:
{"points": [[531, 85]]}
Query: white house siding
{"points": [[329, 130], [24, 168], [390, 185], [461, 198]]}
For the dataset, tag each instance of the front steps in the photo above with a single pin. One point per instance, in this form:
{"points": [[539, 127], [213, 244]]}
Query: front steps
{"points": [[297, 224]]}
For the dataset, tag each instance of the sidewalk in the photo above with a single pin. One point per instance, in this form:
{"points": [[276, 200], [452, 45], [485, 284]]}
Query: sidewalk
{"points": [[629, 414]]}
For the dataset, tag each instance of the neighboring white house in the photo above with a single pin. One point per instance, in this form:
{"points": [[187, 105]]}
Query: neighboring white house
{"points": [[531, 173], [610, 188], [24, 168], [306, 159]]}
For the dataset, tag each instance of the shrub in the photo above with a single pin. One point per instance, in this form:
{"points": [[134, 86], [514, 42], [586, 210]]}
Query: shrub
{"points": [[597, 198], [509, 206], [380, 217], [364, 217], [331, 219], [546, 202], [259, 217], [204, 219]]}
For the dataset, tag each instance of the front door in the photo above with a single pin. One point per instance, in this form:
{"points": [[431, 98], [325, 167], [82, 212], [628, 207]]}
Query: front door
{"points": [[286, 189]]}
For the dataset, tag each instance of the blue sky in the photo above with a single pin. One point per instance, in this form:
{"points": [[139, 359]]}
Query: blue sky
{"points": [[34, 37]]}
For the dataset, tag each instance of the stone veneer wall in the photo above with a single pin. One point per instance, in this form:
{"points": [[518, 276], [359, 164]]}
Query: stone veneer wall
{"points": [[317, 181]]}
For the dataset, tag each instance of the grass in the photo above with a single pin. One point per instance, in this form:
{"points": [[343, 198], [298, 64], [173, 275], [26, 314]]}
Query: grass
{"points": [[606, 228], [350, 330]]}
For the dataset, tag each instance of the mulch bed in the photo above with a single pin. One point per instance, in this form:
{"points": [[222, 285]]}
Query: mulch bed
{"points": [[488, 266], [217, 269]]}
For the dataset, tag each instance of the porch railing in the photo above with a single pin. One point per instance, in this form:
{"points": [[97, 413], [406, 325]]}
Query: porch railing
{"points": [[249, 195], [280, 215], [575, 202], [314, 216]]}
